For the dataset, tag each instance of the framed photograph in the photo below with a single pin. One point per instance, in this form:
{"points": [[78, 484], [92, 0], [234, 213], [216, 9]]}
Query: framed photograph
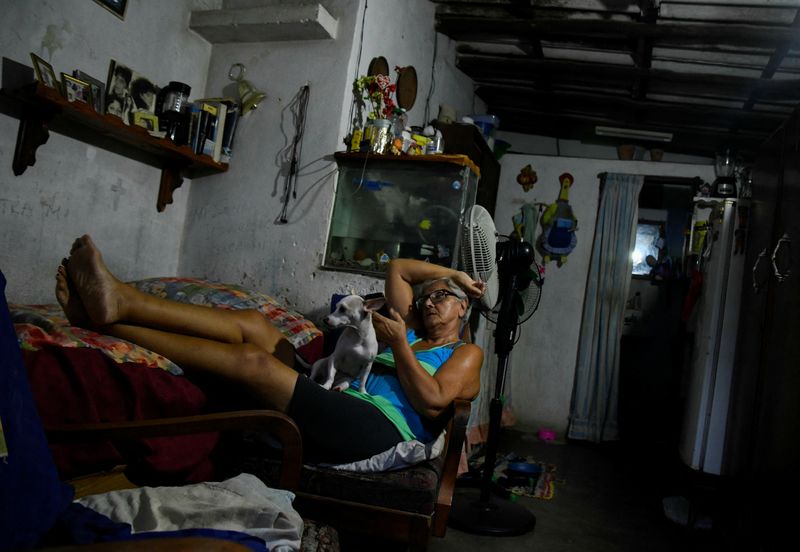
{"points": [[128, 92], [117, 7], [76, 90], [145, 120], [98, 90], [44, 72]]}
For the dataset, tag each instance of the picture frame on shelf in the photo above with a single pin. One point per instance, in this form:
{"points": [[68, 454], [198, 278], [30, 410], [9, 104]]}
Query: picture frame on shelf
{"points": [[127, 92], [147, 121], [76, 90], [117, 7], [98, 90], [44, 72]]}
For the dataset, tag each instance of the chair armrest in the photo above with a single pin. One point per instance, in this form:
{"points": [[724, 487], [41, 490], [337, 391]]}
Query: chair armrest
{"points": [[276, 423], [456, 431]]}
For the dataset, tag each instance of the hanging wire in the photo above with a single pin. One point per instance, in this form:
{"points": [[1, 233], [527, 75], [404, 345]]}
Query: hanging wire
{"points": [[299, 108], [432, 87], [358, 59]]}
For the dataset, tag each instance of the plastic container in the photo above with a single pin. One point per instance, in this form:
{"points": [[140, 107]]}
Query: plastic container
{"points": [[488, 125]]}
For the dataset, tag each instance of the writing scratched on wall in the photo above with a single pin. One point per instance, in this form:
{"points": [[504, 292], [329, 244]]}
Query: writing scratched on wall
{"points": [[47, 209], [15, 208]]}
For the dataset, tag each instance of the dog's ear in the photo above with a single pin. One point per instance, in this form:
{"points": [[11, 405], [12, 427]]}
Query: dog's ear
{"points": [[373, 304]]}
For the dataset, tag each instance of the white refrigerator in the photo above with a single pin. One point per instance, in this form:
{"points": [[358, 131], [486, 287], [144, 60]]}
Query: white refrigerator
{"points": [[714, 321]]}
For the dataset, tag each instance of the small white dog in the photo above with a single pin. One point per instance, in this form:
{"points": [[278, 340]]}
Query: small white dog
{"points": [[356, 348]]}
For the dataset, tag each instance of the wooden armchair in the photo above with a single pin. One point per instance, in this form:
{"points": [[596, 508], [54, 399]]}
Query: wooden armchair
{"points": [[407, 505], [271, 422]]}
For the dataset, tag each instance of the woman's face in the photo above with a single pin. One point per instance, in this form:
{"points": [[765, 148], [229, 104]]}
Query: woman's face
{"points": [[438, 304]]}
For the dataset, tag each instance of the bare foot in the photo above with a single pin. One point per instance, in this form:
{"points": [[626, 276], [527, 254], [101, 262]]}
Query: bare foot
{"points": [[68, 298], [99, 291]]}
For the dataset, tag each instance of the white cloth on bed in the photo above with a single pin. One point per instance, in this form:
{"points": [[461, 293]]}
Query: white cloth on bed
{"points": [[243, 503]]}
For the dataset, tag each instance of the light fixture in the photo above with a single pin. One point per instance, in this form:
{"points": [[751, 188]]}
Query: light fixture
{"points": [[249, 95], [638, 134]]}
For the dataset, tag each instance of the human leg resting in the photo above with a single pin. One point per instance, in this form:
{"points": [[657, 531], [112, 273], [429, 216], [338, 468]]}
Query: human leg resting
{"points": [[107, 300]]}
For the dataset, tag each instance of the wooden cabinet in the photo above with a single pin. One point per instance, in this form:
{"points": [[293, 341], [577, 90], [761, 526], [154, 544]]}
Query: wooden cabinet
{"points": [[466, 139], [41, 109], [763, 445]]}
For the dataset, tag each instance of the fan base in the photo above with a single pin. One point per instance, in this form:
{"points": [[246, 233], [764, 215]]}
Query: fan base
{"points": [[494, 517]]}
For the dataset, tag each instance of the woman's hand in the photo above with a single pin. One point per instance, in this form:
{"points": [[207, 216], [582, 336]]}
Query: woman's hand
{"points": [[473, 288], [389, 330]]}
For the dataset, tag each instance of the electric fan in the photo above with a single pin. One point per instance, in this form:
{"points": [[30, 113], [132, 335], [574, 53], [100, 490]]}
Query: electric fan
{"points": [[512, 292], [478, 254]]}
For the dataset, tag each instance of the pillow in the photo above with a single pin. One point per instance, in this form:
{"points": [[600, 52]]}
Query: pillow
{"points": [[297, 329], [40, 326]]}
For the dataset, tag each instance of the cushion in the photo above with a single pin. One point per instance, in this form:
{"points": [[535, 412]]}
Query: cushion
{"points": [[412, 489], [297, 329]]}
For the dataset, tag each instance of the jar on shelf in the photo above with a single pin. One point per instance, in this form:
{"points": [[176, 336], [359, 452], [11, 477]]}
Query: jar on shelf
{"points": [[399, 121], [381, 135]]}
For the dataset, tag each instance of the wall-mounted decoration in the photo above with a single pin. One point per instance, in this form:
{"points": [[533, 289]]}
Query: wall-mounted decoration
{"points": [[559, 224], [117, 7], [128, 92], [406, 87], [98, 90], [527, 177], [44, 72], [76, 90]]}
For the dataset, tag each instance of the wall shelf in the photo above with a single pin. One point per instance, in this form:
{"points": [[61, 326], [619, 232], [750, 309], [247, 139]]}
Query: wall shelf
{"points": [[277, 21], [41, 109]]}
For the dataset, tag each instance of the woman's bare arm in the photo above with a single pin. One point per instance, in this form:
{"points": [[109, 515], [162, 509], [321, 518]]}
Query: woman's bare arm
{"points": [[458, 378], [403, 274]]}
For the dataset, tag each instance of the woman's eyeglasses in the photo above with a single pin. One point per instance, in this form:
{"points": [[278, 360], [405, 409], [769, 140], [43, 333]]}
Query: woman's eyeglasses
{"points": [[435, 296]]}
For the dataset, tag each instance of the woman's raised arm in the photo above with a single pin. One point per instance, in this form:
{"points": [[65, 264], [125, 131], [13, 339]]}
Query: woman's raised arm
{"points": [[403, 274]]}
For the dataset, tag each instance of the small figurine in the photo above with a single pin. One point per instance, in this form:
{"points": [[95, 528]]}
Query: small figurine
{"points": [[559, 224], [527, 178]]}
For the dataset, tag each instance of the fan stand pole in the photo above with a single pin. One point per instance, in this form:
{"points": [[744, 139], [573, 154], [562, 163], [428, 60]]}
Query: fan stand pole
{"points": [[490, 514]]}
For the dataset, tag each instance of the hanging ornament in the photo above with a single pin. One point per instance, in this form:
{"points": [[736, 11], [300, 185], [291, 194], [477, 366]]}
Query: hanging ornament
{"points": [[559, 224], [527, 178]]}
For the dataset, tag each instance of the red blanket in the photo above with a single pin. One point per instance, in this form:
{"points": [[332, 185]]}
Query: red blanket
{"points": [[82, 385]]}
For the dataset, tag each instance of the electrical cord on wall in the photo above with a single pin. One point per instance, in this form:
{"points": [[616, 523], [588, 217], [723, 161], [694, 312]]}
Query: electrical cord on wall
{"points": [[299, 109], [432, 87], [358, 59]]}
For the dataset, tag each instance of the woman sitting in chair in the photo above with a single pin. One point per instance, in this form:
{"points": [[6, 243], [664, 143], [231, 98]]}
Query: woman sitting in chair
{"points": [[241, 346]]}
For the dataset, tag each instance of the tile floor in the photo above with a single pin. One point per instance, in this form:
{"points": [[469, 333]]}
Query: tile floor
{"points": [[607, 498]]}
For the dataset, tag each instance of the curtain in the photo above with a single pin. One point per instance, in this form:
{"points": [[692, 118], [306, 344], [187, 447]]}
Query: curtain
{"points": [[593, 412]]}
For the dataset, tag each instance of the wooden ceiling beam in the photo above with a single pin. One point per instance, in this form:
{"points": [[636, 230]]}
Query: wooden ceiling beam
{"points": [[508, 69], [643, 56], [467, 28], [576, 127], [663, 112], [774, 62]]}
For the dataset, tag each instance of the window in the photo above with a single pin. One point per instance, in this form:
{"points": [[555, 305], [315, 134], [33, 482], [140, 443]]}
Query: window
{"points": [[649, 242]]}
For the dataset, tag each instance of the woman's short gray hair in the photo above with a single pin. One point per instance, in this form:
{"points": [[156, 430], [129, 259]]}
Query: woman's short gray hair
{"points": [[451, 285]]}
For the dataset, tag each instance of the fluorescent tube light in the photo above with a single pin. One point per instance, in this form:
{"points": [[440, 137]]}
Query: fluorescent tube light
{"points": [[633, 133]]}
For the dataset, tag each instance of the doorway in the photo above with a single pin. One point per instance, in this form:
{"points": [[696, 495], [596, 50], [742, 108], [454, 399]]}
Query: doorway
{"points": [[655, 345]]}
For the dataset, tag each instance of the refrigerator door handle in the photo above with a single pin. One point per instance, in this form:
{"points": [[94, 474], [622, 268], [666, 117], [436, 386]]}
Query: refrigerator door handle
{"points": [[758, 286], [782, 276]]}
